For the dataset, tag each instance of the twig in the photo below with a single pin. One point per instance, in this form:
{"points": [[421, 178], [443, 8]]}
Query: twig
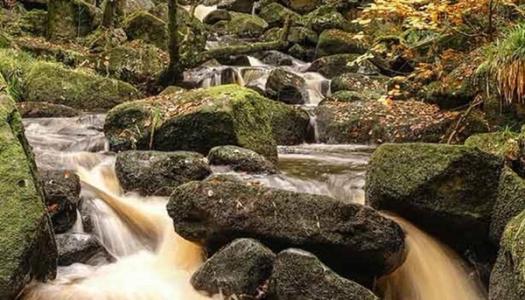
{"points": [[474, 103]]}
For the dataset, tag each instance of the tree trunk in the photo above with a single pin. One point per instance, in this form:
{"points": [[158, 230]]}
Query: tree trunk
{"points": [[113, 13]]}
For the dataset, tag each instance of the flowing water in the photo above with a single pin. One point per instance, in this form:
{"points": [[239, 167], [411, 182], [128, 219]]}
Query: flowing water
{"points": [[153, 262]]}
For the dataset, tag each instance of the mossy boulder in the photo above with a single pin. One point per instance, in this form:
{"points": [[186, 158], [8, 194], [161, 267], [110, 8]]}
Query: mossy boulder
{"points": [[201, 119], [243, 6], [45, 110], [217, 16], [298, 274], [325, 17], [507, 277], [275, 14], [335, 41], [360, 83], [510, 201], [27, 241], [50, 82], [505, 144], [297, 35], [240, 159], [301, 6], [69, 19], [347, 96], [287, 87], [242, 25], [35, 22], [145, 26], [158, 173], [342, 122], [447, 190], [334, 65], [353, 239], [136, 62], [240, 268]]}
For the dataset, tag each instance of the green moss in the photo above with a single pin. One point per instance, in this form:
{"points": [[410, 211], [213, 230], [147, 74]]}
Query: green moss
{"points": [[503, 143], [145, 26], [69, 19], [50, 82], [26, 238], [325, 17], [243, 25], [335, 41], [275, 14]]}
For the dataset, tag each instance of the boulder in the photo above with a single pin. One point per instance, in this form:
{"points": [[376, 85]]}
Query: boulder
{"points": [[507, 277], [27, 241], [240, 159], [158, 173], [145, 26], [201, 119], [506, 144], [70, 19], [335, 41], [275, 14], [301, 6], [297, 35], [360, 83], [334, 65], [352, 239], [241, 268], [216, 16], [447, 190], [347, 96], [366, 121], [50, 82], [287, 87], [242, 25], [302, 52], [510, 201], [325, 17], [81, 248], [62, 195], [298, 274], [45, 110], [135, 62], [243, 6]]}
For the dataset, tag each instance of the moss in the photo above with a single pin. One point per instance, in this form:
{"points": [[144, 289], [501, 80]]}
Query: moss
{"points": [[200, 119], [503, 143], [325, 17], [275, 14], [335, 41], [50, 82], [5, 40], [26, 238], [145, 26], [298, 35], [243, 25], [34, 22], [69, 19]]}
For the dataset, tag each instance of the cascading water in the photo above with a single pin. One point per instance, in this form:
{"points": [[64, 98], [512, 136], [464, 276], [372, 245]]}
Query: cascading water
{"points": [[153, 262]]}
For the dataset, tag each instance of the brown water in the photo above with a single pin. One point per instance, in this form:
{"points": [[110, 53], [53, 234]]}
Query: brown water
{"points": [[153, 262]]}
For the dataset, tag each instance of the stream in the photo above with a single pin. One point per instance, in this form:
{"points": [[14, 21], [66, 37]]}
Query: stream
{"points": [[160, 266]]}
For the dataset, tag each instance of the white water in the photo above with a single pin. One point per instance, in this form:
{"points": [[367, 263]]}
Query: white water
{"points": [[153, 262]]}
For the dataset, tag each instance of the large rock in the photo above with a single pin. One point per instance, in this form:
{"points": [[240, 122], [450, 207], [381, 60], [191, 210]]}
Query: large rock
{"points": [[242, 25], [50, 82], [45, 110], [334, 65], [507, 278], [240, 268], [359, 83], [81, 248], [240, 159], [145, 26], [201, 119], [287, 87], [27, 242], [352, 239], [158, 173], [302, 6], [325, 17], [62, 195], [298, 274], [70, 19], [447, 190], [335, 41], [510, 201], [244, 6], [276, 14], [341, 122]]}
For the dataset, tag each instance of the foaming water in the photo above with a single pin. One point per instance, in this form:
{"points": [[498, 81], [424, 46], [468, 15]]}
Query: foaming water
{"points": [[432, 271]]}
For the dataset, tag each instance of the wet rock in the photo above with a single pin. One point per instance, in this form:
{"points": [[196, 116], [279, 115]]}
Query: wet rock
{"points": [[510, 201], [243, 6], [287, 87], [506, 279], [352, 239], [298, 274], [290, 125], [335, 41], [62, 191], [359, 83], [276, 58], [366, 121], [135, 62], [26, 236], [301, 6], [216, 16], [71, 19], [50, 82], [447, 190], [158, 173], [240, 159], [334, 65], [201, 119], [275, 14], [81, 248], [302, 53], [46, 110], [241, 268]]}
